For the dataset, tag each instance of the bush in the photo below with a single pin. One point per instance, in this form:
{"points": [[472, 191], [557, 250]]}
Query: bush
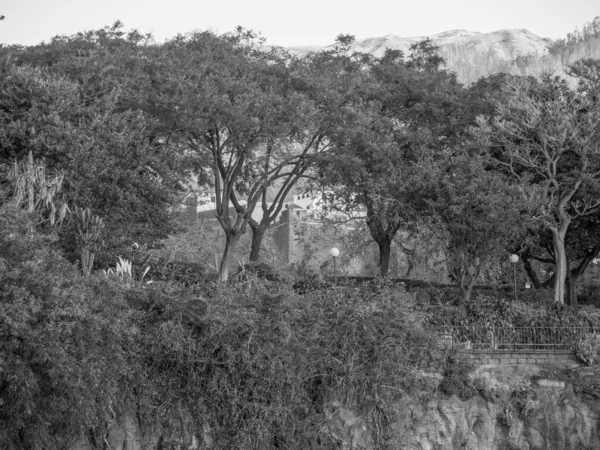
{"points": [[492, 311], [66, 344], [536, 296], [521, 403], [265, 366], [587, 348], [310, 283], [257, 270], [255, 368], [456, 377]]}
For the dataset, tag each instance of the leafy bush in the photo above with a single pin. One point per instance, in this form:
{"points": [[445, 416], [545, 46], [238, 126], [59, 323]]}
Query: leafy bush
{"points": [[484, 310], [456, 378], [259, 270], [536, 296], [521, 403], [438, 295], [66, 343], [262, 368], [254, 368], [587, 348], [310, 283]]}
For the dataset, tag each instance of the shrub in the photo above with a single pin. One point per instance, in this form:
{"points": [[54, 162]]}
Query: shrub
{"points": [[264, 367], [587, 348], [254, 367], [521, 403], [260, 269], [66, 345], [536, 296], [492, 311], [310, 283], [456, 377]]}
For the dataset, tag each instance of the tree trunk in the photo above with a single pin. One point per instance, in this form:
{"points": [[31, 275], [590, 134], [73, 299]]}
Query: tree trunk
{"points": [[574, 274], [467, 277], [533, 276], [383, 235], [231, 240], [572, 289], [385, 246], [560, 269], [258, 234], [466, 292]]}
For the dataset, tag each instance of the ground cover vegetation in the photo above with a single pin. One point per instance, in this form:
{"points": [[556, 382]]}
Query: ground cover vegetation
{"points": [[100, 133]]}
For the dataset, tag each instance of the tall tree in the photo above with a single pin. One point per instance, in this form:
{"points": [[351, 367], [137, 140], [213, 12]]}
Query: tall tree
{"points": [[108, 72], [582, 246], [293, 140], [108, 159], [402, 113], [548, 136], [480, 211], [231, 105]]}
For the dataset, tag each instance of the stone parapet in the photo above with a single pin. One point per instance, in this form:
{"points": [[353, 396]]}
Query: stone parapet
{"points": [[557, 357]]}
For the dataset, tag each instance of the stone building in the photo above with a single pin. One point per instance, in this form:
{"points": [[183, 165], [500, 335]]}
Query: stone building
{"points": [[301, 238]]}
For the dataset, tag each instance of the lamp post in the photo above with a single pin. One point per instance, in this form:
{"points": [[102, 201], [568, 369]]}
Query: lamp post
{"points": [[514, 259], [334, 252]]}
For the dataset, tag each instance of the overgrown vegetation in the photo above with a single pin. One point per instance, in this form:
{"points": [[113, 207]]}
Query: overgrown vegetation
{"points": [[500, 310], [257, 367], [96, 322]]}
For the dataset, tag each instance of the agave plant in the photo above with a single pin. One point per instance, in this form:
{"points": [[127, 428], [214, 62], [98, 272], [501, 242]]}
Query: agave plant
{"points": [[34, 190], [89, 229], [159, 268]]}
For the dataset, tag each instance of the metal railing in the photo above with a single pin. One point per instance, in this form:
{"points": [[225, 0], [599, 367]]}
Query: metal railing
{"points": [[512, 338]]}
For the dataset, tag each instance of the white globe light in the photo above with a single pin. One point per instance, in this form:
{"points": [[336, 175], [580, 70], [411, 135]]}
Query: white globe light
{"points": [[513, 259], [334, 252]]}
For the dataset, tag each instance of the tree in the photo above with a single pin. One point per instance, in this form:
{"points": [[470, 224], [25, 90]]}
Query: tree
{"points": [[480, 212], [109, 162], [293, 141], [582, 246], [402, 114], [233, 107], [548, 136], [65, 341]]}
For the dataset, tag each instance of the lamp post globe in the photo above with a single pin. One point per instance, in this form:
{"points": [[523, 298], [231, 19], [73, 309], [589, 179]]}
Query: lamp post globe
{"points": [[513, 259], [335, 252]]}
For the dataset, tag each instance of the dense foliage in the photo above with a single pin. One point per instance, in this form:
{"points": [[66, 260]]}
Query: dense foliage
{"points": [[65, 342], [109, 162], [257, 369], [100, 131]]}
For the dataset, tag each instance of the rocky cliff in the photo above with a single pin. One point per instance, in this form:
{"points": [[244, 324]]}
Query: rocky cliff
{"points": [[559, 421], [512, 407], [508, 407]]}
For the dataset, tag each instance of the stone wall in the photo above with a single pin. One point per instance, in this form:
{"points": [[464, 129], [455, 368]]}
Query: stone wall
{"points": [[304, 242], [558, 357]]}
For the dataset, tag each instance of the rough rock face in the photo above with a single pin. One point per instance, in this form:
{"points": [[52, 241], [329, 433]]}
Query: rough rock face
{"points": [[547, 416], [506, 44], [437, 423], [433, 422]]}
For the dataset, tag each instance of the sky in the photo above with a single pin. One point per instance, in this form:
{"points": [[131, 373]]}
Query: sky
{"points": [[285, 23]]}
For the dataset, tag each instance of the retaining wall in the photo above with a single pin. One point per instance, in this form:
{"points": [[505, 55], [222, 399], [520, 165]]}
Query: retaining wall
{"points": [[553, 357]]}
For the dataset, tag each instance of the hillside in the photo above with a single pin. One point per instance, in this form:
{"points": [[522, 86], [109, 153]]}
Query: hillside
{"points": [[472, 55]]}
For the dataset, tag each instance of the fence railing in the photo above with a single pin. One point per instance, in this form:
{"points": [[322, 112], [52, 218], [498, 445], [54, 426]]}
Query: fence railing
{"points": [[512, 338]]}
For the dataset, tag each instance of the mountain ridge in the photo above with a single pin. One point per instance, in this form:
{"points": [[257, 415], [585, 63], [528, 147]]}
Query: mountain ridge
{"points": [[472, 54]]}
